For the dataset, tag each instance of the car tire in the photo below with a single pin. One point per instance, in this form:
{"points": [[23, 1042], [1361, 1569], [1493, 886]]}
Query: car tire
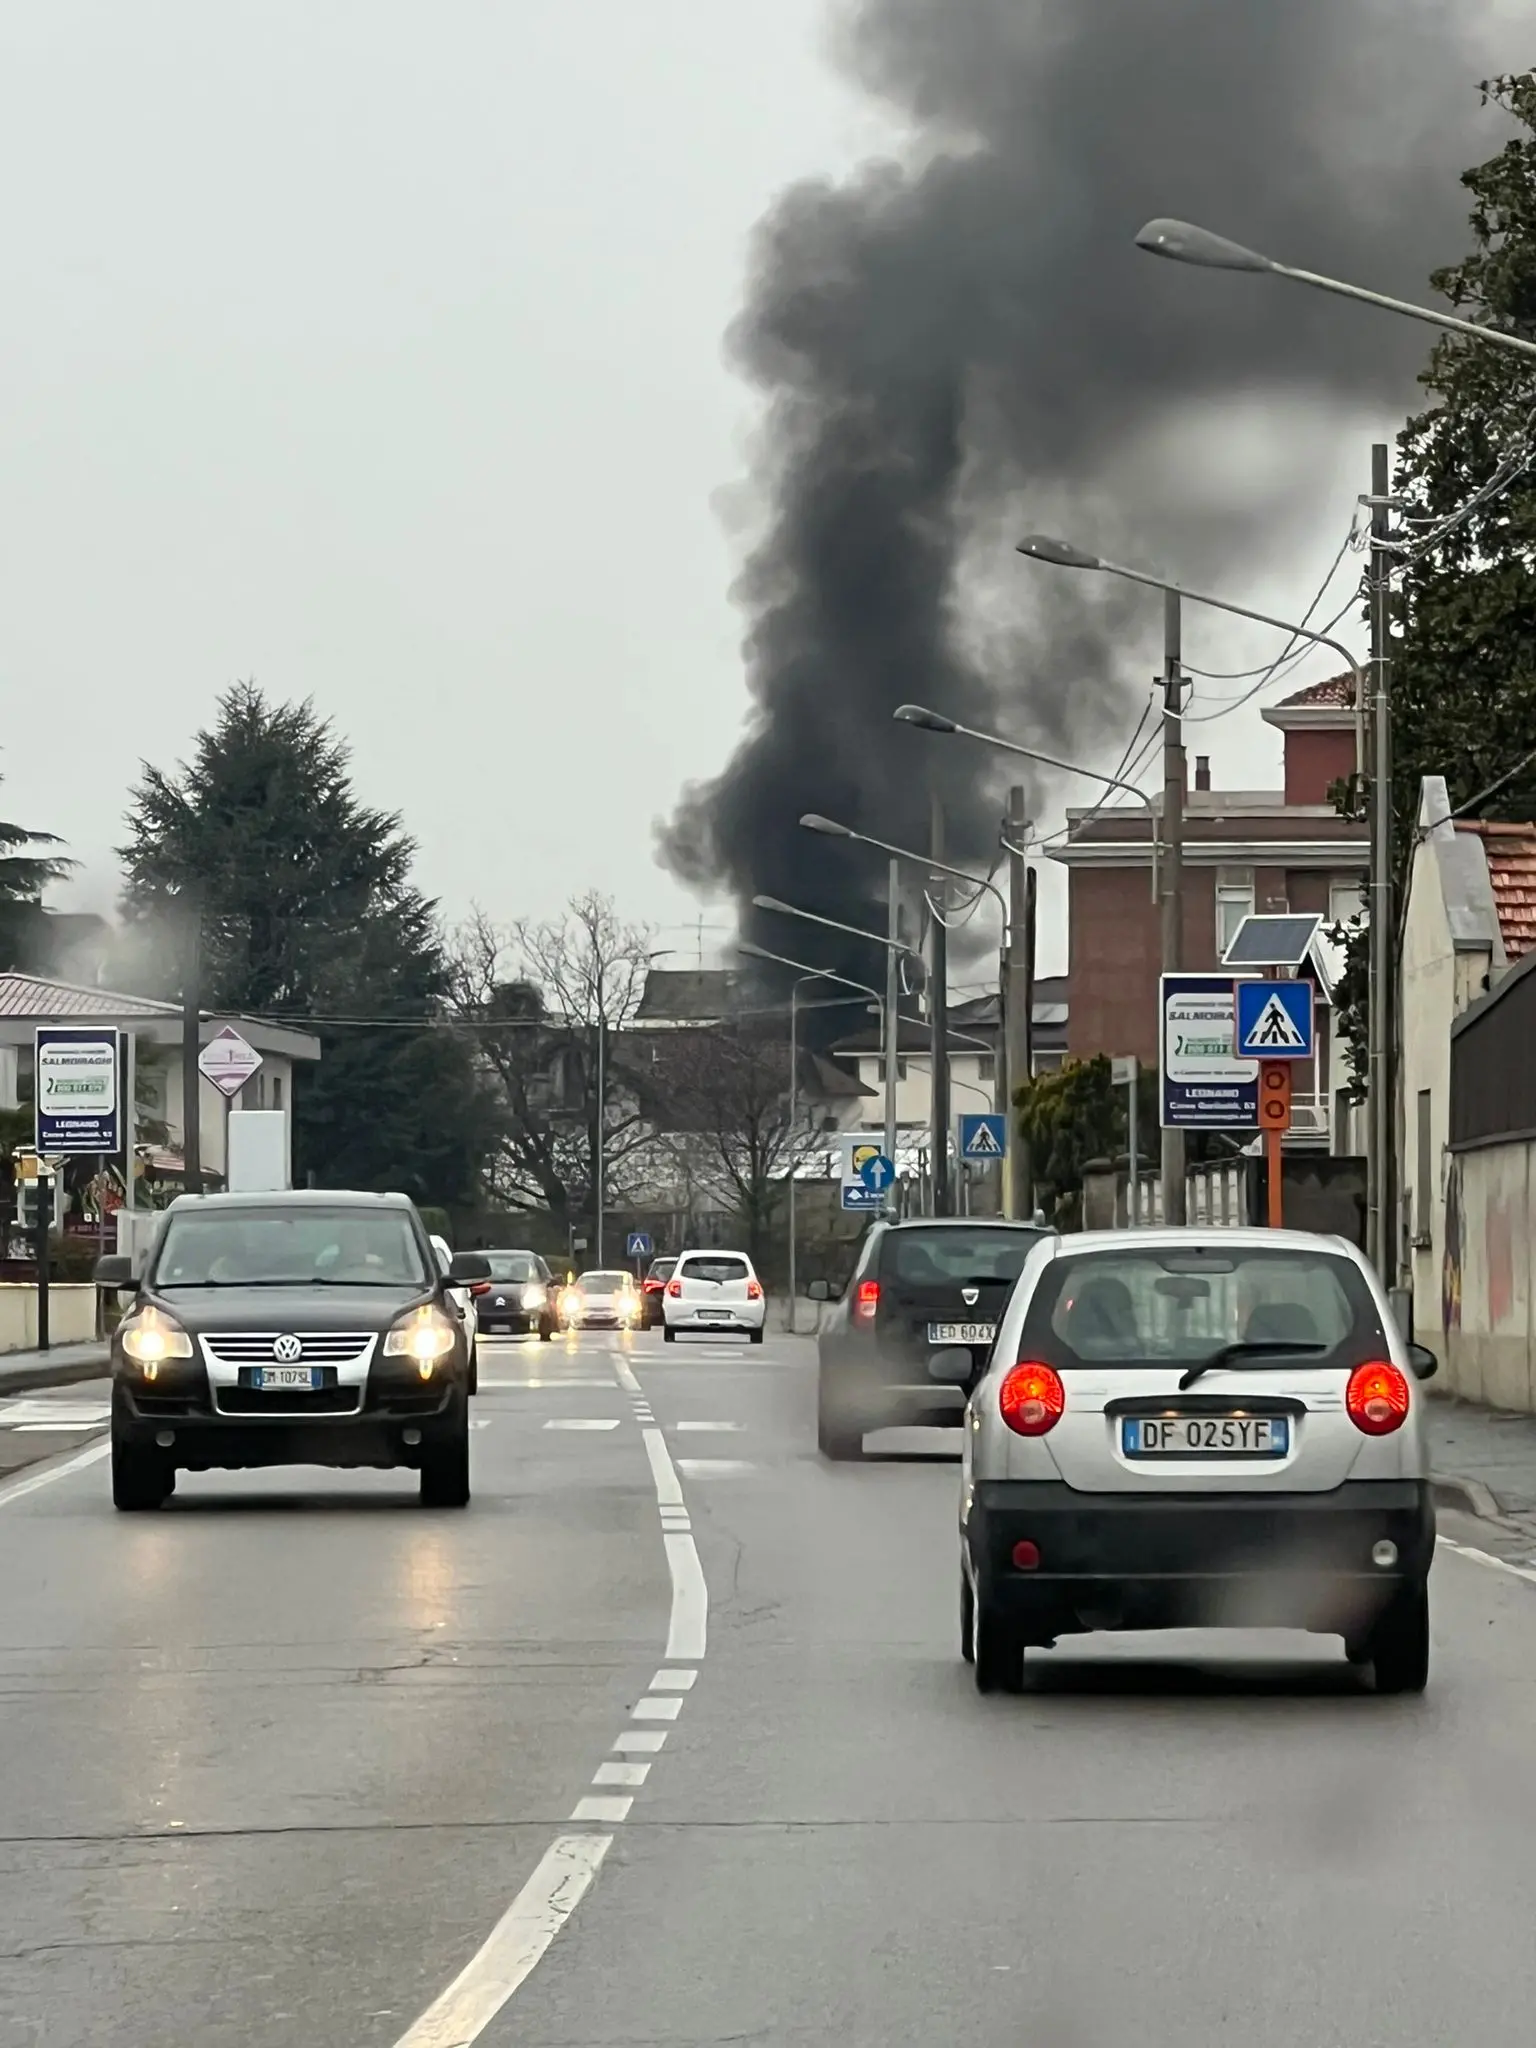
{"points": [[839, 1436], [755, 1336], [474, 1369], [1400, 1643], [997, 1650], [547, 1332], [143, 1478], [967, 1618], [668, 1334], [445, 1468]]}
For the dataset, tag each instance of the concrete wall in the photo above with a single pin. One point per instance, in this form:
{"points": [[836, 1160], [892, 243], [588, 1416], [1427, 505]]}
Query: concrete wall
{"points": [[1489, 1341], [71, 1315], [969, 1092]]}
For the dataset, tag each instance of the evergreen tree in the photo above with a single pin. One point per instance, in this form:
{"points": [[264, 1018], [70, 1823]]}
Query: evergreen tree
{"points": [[305, 906], [25, 871]]}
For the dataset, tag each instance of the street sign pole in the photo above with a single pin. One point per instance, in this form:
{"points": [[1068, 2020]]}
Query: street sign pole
{"points": [[1274, 1121]]}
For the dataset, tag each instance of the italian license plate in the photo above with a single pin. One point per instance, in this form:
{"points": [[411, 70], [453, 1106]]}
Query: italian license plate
{"points": [[273, 1379], [961, 1333], [1205, 1436]]}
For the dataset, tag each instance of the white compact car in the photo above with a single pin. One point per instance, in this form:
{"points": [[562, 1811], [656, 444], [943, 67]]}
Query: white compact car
{"points": [[464, 1305], [1195, 1429], [714, 1291]]}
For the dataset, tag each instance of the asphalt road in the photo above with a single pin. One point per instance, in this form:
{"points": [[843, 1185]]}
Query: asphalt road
{"points": [[295, 1764]]}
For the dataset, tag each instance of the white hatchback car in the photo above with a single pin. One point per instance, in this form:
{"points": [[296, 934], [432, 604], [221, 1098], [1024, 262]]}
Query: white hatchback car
{"points": [[714, 1291], [1195, 1429]]}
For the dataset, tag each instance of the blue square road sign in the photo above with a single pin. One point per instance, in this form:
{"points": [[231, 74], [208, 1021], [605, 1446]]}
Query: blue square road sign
{"points": [[1274, 1020], [984, 1137]]}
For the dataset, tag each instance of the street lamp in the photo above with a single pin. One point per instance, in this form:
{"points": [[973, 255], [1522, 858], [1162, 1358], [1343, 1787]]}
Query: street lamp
{"points": [[935, 721], [806, 974], [1181, 241], [1061, 554]]}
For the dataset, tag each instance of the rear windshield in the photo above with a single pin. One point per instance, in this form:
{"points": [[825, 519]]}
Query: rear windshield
{"points": [[714, 1268], [605, 1283], [951, 1257], [512, 1266], [299, 1247], [661, 1269], [1170, 1306]]}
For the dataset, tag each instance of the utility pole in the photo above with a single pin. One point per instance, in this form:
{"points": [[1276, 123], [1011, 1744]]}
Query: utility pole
{"points": [[597, 1135], [1173, 866], [938, 1021], [1018, 1008], [1381, 1157], [892, 1019], [191, 1046]]}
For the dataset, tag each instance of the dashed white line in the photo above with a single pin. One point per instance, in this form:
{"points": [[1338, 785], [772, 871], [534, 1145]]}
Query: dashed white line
{"points": [[652, 1709], [714, 1468], [673, 1681], [18, 1489], [640, 1741], [605, 1809], [585, 1422], [711, 1428], [621, 1774]]}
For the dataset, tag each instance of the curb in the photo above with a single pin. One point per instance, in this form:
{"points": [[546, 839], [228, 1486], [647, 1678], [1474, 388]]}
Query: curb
{"points": [[1470, 1496], [60, 1373]]}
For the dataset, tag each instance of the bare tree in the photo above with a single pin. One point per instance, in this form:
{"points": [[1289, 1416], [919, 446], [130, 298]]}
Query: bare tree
{"points": [[544, 1000]]}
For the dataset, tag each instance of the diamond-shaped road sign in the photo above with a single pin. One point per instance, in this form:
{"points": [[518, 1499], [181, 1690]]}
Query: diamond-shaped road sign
{"points": [[228, 1061], [1274, 1020]]}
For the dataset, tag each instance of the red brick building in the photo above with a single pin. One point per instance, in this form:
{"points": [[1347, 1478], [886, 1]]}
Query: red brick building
{"points": [[1244, 851]]}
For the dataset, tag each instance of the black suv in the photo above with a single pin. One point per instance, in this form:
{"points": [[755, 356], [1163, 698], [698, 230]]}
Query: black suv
{"points": [[920, 1286], [290, 1329]]}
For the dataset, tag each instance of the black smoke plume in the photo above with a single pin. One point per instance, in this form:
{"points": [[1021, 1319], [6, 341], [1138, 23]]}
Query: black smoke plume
{"points": [[961, 342]]}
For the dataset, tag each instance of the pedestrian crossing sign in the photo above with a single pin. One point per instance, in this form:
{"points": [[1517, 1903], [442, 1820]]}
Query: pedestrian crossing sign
{"points": [[983, 1137], [1274, 1020]]}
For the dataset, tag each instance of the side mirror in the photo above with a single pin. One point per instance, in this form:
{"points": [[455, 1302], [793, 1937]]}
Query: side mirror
{"points": [[954, 1366], [1422, 1362], [819, 1290], [467, 1266], [115, 1269]]}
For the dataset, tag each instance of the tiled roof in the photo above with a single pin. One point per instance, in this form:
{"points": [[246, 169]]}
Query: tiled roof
{"points": [[687, 995], [1334, 692], [27, 995], [1511, 851]]}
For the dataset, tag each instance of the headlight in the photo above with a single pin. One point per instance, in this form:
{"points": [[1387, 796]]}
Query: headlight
{"points": [[425, 1335], [535, 1296], [150, 1337], [571, 1304]]}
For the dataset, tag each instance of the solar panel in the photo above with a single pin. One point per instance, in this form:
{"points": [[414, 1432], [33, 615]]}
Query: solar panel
{"points": [[1270, 940]]}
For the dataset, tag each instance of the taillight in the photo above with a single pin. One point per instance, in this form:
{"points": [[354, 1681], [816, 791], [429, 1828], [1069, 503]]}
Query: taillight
{"points": [[754, 1290], [479, 1286], [1032, 1398], [1377, 1398], [674, 1288], [653, 1287], [866, 1300]]}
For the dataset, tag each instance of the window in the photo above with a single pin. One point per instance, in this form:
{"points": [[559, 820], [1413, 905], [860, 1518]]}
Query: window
{"points": [[514, 1268], [1346, 898], [986, 1066], [1234, 902], [710, 1267], [1424, 1185], [298, 1247], [927, 1258], [277, 1091]]}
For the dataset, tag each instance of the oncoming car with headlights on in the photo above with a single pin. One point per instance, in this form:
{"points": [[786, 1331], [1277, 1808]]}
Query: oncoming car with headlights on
{"points": [[1196, 1429], [290, 1329], [518, 1296], [601, 1300]]}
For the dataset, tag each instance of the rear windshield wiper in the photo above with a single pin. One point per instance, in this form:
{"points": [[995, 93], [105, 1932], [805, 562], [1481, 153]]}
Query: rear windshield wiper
{"points": [[1280, 1348]]}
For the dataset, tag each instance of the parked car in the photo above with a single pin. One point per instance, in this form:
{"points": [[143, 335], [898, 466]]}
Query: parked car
{"points": [[713, 1291], [519, 1295], [601, 1300], [463, 1299], [1196, 1428], [919, 1285], [652, 1289], [297, 1328]]}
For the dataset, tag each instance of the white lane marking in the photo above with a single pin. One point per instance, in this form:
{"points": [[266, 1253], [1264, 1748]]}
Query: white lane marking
{"points": [[669, 1494], [621, 1774], [641, 1741], [714, 1468], [51, 1428], [689, 1627], [623, 1375], [658, 1710], [488, 1385], [1498, 1564], [515, 1944], [18, 1412], [711, 1428], [34, 1482], [586, 1422], [605, 1809], [673, 1681]]}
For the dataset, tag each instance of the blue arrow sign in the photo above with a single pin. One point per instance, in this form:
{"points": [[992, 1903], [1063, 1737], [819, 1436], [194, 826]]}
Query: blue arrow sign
{"points": [[877, 1173], [638, 1245], [984, 1136], [1274, 1020]]}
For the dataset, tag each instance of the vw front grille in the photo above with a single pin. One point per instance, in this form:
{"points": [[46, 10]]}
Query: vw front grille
{"points": [[258, 1347]]}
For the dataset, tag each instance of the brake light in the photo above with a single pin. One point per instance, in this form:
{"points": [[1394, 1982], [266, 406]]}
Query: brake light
{"points": [[754, 1290], [866, 1300], [652, 1286], [1377, 1398], [1032, 1398], [479, 1286], [674, 1288]]}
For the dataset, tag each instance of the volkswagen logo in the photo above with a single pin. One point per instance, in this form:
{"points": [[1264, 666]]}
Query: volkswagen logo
{"points": [[287, 1350], [969, 1295]]}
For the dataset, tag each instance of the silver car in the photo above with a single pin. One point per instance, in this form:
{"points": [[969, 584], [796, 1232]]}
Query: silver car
{"points": [[1195, 1429]]}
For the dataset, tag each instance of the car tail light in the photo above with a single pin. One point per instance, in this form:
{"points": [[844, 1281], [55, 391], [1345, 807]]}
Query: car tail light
{"points": [[1377, 1398], [674, 1288], [479, 1286], [1032, 1398], [754, 1290], [866, 1300], [652, 1286]]}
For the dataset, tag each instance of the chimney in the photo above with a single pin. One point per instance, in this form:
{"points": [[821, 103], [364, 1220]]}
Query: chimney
{"points": [[1202, 771]]}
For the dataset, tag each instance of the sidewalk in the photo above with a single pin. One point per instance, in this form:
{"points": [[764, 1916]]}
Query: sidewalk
{"points": [[21, 1371], [1483, 1459]]}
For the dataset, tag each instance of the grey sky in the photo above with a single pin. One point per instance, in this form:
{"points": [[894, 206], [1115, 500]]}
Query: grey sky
{"points": [[376, 351]]}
